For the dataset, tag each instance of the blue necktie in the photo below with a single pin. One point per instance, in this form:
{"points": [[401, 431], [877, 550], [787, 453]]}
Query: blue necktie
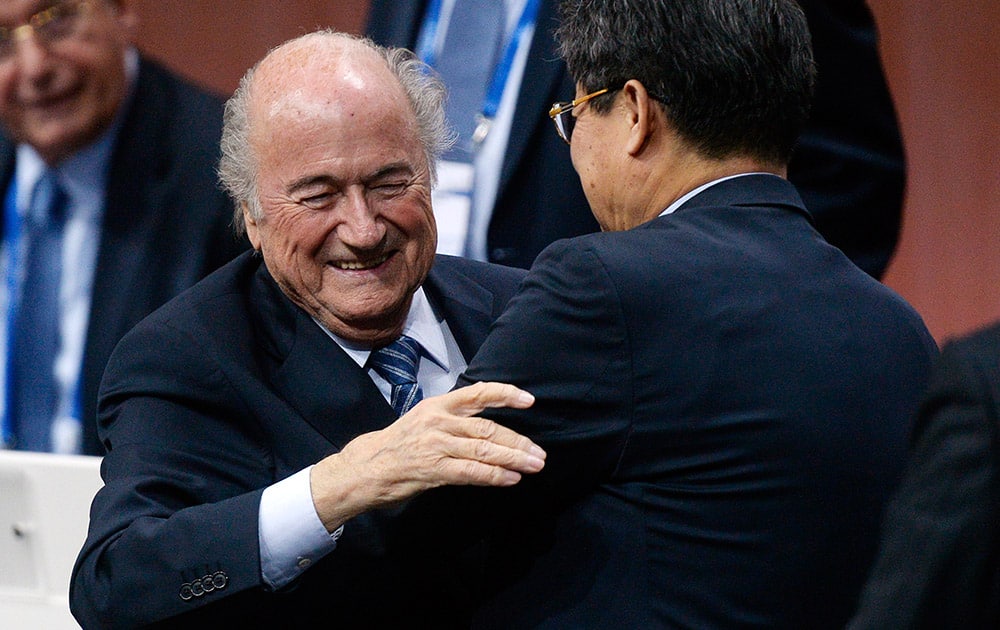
{"points": [[397, 363], [466, 64], [35, 335]]}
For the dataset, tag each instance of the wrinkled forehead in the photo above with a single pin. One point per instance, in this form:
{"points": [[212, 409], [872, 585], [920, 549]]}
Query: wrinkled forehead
{"points": [[331, 97]]}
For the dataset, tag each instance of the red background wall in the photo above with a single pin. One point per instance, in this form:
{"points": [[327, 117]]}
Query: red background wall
{"points": [[940, 58]]}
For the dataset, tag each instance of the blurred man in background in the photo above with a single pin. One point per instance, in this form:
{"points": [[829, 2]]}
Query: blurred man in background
{"points": [[107, 163]]}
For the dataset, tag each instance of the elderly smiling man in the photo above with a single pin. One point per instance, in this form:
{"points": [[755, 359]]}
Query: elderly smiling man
{"points": [[242, 402]]}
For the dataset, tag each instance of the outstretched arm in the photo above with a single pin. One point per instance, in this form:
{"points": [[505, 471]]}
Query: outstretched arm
{"points": [[439, 442]]}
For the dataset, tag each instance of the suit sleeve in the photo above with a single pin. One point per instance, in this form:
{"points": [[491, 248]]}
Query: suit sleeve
{"points": [[937, 563], [175, 526], [563, 337]]}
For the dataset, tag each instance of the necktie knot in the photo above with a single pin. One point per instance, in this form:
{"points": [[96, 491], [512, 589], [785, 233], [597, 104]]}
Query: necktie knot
{"points": [[397, 363], [48, 201]]}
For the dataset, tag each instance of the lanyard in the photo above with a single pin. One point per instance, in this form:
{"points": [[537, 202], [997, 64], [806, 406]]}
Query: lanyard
{"points": [[427, 50]]}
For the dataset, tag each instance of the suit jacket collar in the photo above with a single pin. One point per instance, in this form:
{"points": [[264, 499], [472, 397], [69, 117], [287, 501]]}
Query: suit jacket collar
{"points": [[749, 190], [324, 385]]}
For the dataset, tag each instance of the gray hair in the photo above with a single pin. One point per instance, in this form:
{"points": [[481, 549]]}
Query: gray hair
{"points": [[424, 90]]}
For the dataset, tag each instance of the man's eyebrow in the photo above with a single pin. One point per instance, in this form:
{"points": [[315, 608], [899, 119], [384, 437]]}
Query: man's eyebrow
{"points": [[397, 168], [311, 180]]}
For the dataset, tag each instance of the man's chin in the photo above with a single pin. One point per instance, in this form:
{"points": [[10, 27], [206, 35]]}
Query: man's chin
{"points": [[58, 137]]}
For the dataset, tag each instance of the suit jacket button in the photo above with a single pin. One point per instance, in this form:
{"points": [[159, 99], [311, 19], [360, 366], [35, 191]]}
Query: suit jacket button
{"points": [[197, 589], [219, 579], [186, 593], [207, 583]]}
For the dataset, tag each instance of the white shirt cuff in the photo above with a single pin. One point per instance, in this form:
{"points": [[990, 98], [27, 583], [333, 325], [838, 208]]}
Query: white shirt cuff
{"points": [[291, 535]]}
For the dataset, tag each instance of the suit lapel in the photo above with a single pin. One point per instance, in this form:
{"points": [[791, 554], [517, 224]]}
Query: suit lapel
{"points": [[314, 375], [465, 304], [329, 390], [130, 219], [6, 168]]}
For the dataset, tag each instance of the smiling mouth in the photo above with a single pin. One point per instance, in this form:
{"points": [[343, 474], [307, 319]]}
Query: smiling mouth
{"points": [[360, 265], [53, 98]]}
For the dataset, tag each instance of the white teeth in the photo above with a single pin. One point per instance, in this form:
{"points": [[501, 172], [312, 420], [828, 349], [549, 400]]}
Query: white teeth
{"points": [[356, 266]]}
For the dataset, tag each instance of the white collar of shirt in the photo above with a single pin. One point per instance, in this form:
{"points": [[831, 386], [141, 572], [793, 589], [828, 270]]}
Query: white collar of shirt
{"points": [[82, 176], [421, 324], [680, 202]]}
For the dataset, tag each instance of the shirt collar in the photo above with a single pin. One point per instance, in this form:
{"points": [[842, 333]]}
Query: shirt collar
{"points": [[421, 323]]}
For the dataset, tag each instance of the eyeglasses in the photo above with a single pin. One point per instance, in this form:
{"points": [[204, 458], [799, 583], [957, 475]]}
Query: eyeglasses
{"points": [[562, 114], [55, 23]]}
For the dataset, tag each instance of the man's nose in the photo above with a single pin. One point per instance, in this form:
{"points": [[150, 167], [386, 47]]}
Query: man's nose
{"points": [[29, 53], [360, 226]]}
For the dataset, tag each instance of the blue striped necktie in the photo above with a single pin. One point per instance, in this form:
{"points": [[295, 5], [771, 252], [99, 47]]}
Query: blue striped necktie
{"points": [[397, 363], [33, 397]]}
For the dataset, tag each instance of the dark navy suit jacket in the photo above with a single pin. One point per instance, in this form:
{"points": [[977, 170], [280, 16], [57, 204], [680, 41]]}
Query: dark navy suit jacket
{"points": [[166, 221], [224, 391], [725, 400], [939, 562], [849, 165]]}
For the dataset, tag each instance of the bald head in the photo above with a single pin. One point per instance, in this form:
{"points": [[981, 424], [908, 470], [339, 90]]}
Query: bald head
{"points": [[317, 73]]}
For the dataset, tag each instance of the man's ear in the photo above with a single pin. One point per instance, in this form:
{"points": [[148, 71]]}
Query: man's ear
{"points": [[253, 230], [639, 106]]}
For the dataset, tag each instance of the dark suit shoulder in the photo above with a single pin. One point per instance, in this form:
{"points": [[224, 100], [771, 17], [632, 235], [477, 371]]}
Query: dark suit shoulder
{"points": [[983, 342], [454, 272], [394, 23], [172, 125], [189, 307], [968, 367]]}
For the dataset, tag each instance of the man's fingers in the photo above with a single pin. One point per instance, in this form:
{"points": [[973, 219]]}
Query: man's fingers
{"points": [[486, 442], [462, 405], [483, 433], [525, 460], [468, 401], [474, 473]]}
